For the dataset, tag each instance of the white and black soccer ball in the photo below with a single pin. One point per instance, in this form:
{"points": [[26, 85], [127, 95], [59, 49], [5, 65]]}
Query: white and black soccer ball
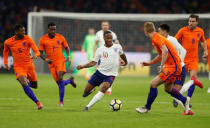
{"points": [[115, 104]]}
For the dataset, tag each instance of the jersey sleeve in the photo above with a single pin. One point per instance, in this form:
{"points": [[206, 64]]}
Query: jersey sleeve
{"points": [[97, 36], [178, 36], [34, 47], [6, 52], [202, 39], [120, 50], [97, 55], [114, 37], [41, 45], [64, 42]]}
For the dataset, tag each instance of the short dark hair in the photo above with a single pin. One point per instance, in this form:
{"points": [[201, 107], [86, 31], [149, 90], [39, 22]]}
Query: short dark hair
{"points": [[106, 32], [51, 24], [18, 26], [165, 27], [194, 16]]}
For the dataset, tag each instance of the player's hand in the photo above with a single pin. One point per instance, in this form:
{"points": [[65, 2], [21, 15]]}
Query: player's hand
{"points": [[68, 60], [145, 64], [205, 56], [122, 63], [79, 67], [34, 57], [6, 67], [49, 61]]}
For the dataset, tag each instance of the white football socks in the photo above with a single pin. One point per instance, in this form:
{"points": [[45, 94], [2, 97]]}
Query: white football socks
{"points": [[95, 99], [186, 86]]}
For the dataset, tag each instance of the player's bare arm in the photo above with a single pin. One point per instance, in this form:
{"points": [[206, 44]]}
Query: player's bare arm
{"points": [[154, 61], [205, 52], [68, 54], [90, 64], [95, 47], [164, 56], [44, 57], [123, 57]]}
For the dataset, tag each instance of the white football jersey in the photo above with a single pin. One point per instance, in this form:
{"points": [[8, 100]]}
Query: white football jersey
{"points": [[181, 51], [109, 59], [100, 37]]}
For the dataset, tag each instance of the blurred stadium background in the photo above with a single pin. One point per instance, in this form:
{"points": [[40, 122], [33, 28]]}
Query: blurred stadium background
{"points": [[73, 18]]}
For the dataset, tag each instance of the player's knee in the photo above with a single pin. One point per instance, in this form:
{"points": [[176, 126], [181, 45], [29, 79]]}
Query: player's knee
{"points": [[153, 85], [105, 87]]}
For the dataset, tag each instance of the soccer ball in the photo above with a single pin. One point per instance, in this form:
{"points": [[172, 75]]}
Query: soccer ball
{"points": [[115, 104]]}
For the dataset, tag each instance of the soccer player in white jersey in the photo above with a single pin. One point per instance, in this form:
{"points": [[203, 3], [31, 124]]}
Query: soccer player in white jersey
{"points": [[100, 42], [109, 55], [164, 31]]}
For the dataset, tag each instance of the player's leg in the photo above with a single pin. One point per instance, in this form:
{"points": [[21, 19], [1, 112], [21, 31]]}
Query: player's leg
{"points": [[61, 86], [190, 85], [107, 82], [23, 81], [32, 78], [98, 96], [178, 85], [88, 90], [151, 96], [176, 94]]}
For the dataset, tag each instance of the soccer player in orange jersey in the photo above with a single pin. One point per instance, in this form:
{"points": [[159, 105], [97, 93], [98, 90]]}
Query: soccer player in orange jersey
{"points": [[24, 69], [52, 43], [208, 47], [170, 68], [189, 37]]}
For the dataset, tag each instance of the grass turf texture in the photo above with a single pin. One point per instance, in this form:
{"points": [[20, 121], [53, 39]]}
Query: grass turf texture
{"points": [[17, 110]]}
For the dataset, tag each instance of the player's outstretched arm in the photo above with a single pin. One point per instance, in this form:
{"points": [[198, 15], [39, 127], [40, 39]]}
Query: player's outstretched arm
{"points": [[5, 54], [68, 54], [154, 61], [90, 64], [44, 57], [95, 47], [164, 50], [123, 57], [205, 52]]}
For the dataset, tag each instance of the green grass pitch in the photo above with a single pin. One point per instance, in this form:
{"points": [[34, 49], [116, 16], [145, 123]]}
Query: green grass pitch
{"points": [[18, 111]]}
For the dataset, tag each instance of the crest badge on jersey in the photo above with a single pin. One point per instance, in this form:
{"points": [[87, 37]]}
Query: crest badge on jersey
{"points": [[115, 49], [24, 44], [58, 42], [198, 35]]}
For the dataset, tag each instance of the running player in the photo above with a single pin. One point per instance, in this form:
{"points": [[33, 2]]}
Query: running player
{"points": [[164, 31], [189, 37], [24, 69], [88, 47], [109, 55], [208, 46], [170, 68], [100, 42], [52, 43]]}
